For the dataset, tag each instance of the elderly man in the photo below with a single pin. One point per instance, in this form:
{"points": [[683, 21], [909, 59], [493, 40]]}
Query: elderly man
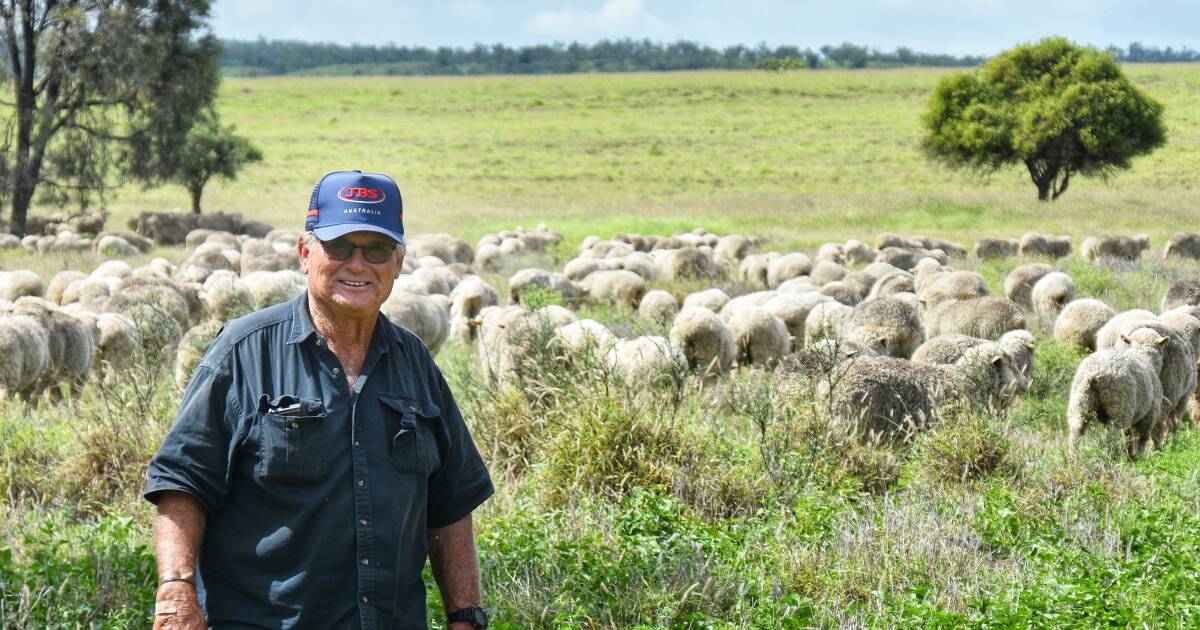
{"points": [[318, 456]]}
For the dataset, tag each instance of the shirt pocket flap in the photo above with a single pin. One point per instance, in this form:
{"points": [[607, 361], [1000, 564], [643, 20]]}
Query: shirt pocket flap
{"points": [[405, 405]]}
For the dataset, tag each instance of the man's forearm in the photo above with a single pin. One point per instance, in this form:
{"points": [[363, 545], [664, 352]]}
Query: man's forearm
{"points": [[178, 530], [455, 564]]}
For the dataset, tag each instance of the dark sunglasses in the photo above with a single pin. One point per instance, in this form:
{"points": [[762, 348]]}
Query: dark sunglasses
{"points": [[341, 249]]}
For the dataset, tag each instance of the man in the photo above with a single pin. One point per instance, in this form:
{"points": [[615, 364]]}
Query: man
{"points": [[318, 456]]}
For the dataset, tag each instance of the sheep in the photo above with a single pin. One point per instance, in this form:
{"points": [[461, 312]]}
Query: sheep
{"points": [[25, 346], [758, 298], [118, 347], [507, 336], [787, 267], [861, 282], [164, 294], [889, 326], [1121, 247], [901, 257], [60, 282], [556, 316], [830, 252], [226, 296], [895, 282], [890, 399], [1177, 373], [90, 292], [1079, 322], [733, 247], [927, 272], [1185, 319], [140, 243], [583, 336], [858, 252], [1182, 245], [1121, 324], [712, 299], [527, 279], [1181, 293], [71, 344], [1052, 293], [577, 269], [954, 285], [645, 359], [706, 342], [110, 245], [439, 280], [444, 246], [793, 310], [488, 257], [886, 240], [617, 286], [9, 241], [640, 263], [275, 287], [1120, 387], [467, 299], [192, 348], [1017, 345], [841, 292], [987, 317], [1033, 244], [762, 339], [19, 283], [753, 269], [687, 263], [826, 319], [112, 269], [988, 248], [826, 271], [1018, 285], [949, 247], [427, 316], [803, 284], [658, 308], [1021, 348]]}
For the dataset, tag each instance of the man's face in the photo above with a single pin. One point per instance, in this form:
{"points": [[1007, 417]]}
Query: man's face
{"points": [[352, 287]]}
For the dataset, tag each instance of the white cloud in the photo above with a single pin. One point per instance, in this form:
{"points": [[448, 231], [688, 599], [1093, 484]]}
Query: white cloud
{"points": [[615, 18], [470, 9]]}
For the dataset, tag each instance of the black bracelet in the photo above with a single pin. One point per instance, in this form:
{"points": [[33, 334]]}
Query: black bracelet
{"points": [[177, 579]]}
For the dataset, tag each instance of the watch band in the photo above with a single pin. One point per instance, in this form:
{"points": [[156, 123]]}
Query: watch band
{"points": [[474, 615]]}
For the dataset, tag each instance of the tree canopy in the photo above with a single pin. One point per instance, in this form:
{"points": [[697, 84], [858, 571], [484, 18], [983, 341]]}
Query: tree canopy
{"points": [[1057, 108], [211, 150], [102, 90]]}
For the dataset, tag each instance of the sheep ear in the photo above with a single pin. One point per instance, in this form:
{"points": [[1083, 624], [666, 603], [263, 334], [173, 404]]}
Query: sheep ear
{"points": [[997, 360], [1032, 345], [1163, 341], [1125, 339], [883, 341]]}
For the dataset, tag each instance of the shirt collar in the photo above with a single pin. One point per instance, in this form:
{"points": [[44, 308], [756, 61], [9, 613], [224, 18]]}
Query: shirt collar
{"points": [[383, 337]]}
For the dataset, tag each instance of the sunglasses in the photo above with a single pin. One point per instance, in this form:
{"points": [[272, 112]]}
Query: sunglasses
{"points": [[341, 249]]}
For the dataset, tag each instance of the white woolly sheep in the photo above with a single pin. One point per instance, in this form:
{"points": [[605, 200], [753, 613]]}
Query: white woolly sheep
{"points": [[577, 269], [858, 252], [762, 339], [1177, 374], [1185, 319], [275, 287], [467, 299], [1120, 387], [758, 298], [19, 283], [887, 239], [227, 296], [954, 285], [25, 346], [949, 247], [787, 267], [988, 248], [733, 247], [426, 316], [754, 268], [803, 284], [1052, 293], [71, 344], [112, 245], [1079, 322], [583, 336], [1119, 324], [1181, 293], [705, 340], [448, 248], [687, 263], [192, 348], [527, 279], [59, 283], [658, 307], [645, 359], [889, 326], [439, 280], [826, 319], [1121, 247], [892, 283], [830, 252], [841, 292], [826, 271], [712, 299], [617, 286], [793, 310], [987, 317], [118, 347], [1018, 285], [507, 336], [1048, 245], [1183, 245]]}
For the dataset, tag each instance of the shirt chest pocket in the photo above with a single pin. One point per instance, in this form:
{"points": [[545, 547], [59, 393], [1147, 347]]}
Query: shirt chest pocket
{"points": [[290, 447], [410, 426]]}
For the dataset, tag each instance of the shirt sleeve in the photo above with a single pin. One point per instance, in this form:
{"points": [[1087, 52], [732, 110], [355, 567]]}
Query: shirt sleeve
{"points": [[462, 483], [196, 456]]}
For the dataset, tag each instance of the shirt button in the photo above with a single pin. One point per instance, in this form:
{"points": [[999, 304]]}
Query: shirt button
{"points": [[295, 425], [364, 522], [337, 371], [360, 483], [364, 599], [319, 341], [356, 443], [366, 562]]}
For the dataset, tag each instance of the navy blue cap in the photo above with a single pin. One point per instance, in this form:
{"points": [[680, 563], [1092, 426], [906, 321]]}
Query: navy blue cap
{"points": [[351, 201]]}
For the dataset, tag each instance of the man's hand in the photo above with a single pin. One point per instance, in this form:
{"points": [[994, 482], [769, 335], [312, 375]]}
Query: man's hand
{"points": [[176, 608]]}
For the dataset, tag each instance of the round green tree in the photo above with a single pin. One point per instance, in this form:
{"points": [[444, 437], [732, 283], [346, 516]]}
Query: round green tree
{"points": [[1057, 108]]}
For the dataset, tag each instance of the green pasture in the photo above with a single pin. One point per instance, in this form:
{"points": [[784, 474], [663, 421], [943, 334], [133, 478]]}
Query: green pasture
{"points": [[802, 156]]}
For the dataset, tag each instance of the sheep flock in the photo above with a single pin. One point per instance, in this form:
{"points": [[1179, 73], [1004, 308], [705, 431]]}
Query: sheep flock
{"points": [[899, 330]]}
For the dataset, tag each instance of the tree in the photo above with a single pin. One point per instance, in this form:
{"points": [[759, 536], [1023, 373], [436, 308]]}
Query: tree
{"points": [[210, 150], [1057, 108], [102, 90]]}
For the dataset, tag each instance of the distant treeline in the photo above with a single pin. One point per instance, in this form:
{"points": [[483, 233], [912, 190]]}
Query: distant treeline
{"points": [[274, 57]]}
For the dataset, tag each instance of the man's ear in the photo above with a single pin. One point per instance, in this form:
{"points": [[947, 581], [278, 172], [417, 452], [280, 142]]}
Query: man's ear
{"points": [[303, 252]]}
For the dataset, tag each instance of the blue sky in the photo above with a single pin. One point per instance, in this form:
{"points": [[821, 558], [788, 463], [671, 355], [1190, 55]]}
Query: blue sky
{"points": [[959, 27]]}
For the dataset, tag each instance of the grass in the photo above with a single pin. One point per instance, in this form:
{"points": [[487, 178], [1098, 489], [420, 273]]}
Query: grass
{"points": [[735, 504]]}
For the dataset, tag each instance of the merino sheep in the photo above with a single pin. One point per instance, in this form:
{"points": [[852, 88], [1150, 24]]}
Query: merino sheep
{"points": [[1120, 387], [527, 279], [1079, 322], [658, 308], [954, 285], [19, 283], [712, 299], [933, 242], [892, 283], [1052, 293], [227, 297], [59, 283], [830, 252], [987, 317], [901, 257], [275, 287], [890, 399], [688, 262], [577, 269], [645, 359], [826, 319], [1181, 293], [889, 326], [1034, 244], [1183, 245], [426, 316], [617, 286], [71, 344], [754, 268], [582, 336], [705, 340], [1018, 285], [803, 284], [793, 310], [733, 247], [1177, 373], [827, 271], [25, 346], [988, 248], [192, 348], [1121, 247], [858, 252], [762, 339], [467, 299], [507, 336], [1185, 319], [787, 267], [841, 292], [886, 240], [118, 347], [1121, 324]]}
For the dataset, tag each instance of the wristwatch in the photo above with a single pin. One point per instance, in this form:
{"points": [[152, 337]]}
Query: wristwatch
{"points": [[473, 615]]}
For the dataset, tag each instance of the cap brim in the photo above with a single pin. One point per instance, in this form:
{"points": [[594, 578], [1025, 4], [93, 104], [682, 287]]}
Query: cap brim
{"points": [[330, 232]]}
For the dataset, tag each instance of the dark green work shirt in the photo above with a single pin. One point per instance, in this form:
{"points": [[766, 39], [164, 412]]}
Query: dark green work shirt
{"points": [[318, 497]]}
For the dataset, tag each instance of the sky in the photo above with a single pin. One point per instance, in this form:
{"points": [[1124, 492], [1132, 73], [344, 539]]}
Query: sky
{"points": [[951, 26]]}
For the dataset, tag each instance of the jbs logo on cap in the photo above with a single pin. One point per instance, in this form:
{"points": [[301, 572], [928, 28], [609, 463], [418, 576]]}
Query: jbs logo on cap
{"points": [[359, 194]]}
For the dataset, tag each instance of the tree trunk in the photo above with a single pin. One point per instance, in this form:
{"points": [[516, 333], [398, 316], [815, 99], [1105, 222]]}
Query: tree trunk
{"points": [[1043, 176], [195, 192]]}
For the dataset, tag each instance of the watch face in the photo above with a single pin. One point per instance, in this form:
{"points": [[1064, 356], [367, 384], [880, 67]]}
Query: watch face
{"points": [[474, 615]]}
